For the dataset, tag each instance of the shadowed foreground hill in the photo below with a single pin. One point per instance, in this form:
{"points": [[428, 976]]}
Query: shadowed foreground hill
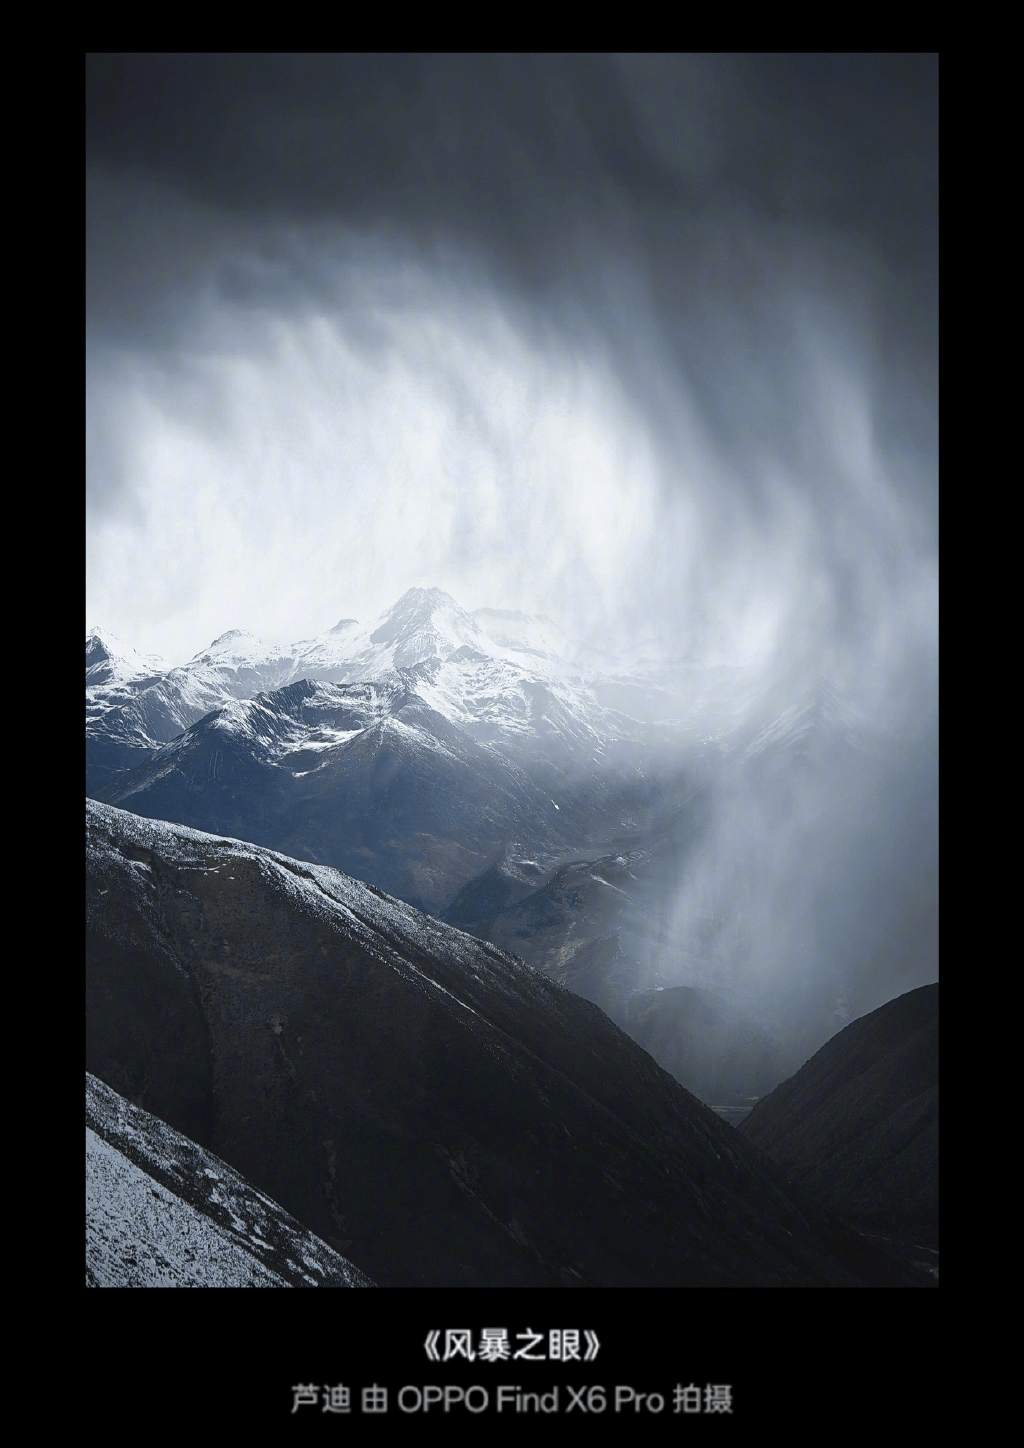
{"points": [[858, 1125], [161, 1212], [433, 1108]]}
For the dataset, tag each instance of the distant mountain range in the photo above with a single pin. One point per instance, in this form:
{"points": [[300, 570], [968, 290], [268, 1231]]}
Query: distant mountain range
{"points": [[414, 753], [505, 678], [475, 765]]}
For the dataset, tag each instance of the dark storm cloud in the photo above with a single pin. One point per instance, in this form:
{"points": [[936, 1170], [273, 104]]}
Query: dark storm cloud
{"points": [[542, 160], [708, 221], [510, 148], [727, 184]]}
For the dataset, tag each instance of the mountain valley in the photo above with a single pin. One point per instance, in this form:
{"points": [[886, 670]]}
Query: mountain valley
{"points": [[435, 1110]]}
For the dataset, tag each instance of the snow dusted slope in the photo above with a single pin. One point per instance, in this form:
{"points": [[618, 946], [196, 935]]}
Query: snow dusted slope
{"points": [[162, 1212]]}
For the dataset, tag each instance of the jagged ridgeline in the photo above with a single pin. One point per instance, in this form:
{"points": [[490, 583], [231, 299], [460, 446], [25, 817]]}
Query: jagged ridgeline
{"points": [[413, 753]]}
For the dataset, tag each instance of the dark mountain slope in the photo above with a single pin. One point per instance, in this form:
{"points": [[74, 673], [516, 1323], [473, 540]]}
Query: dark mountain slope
{"points": [[858, 1125], [161, 1212], [434, 1108]]}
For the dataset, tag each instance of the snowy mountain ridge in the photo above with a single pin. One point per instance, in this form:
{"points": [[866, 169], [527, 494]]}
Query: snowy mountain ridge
{"points": [[505, 680], [110, 662], [502, 677]]}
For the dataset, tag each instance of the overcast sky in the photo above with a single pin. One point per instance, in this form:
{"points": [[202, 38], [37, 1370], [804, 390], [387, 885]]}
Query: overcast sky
{"points": [[645, 343]]}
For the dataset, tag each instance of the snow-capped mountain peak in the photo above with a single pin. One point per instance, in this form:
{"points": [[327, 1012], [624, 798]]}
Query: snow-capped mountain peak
{"points": [[238, 648], [425, 626], [507, 680], [109, 661], [425, 623]]}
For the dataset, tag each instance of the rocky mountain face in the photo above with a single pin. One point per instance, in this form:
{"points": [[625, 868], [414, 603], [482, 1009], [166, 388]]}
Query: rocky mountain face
{"points": [[428, 1105], [162, 1212], [858, 1125]]}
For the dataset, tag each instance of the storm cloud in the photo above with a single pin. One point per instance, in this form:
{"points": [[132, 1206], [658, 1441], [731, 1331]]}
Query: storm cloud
{"points": [[596, 332], [645, 343]]}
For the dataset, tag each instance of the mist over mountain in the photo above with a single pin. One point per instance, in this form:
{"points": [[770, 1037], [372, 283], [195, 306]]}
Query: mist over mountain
{"points": [[490, 781]]}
